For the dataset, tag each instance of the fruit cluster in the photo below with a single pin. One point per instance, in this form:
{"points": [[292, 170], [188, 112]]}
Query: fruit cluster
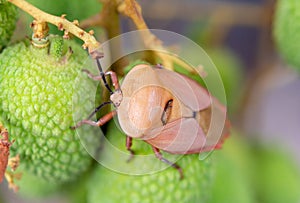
{"points": [[38, 87]]}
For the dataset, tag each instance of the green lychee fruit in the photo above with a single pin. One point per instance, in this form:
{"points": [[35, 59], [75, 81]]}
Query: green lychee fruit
{"points": [[235, 169], [277, 175], [8, 18], [33, 187], [286, 30], [165, 186], [36, 105]]}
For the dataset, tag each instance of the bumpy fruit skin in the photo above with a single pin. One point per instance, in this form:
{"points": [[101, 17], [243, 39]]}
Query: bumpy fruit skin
{"points": [[8, 17], [36, 106], [286, 30], [111, 187]]}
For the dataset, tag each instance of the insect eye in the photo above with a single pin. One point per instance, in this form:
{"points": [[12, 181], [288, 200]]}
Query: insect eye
{"points": [[167, 112]]}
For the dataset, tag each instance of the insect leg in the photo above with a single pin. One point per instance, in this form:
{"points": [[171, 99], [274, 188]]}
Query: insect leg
{"points": [[112, 74], [100, 122], [159, 66], [116, 97], [174, 165], [128, 147], [114, 79], [94, 77]]}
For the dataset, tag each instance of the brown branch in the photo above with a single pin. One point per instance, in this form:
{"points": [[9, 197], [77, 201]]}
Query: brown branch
{"points": [[63, 24], [110, 16], [4, 151], [5, 161], [132, 9], [93, 21]]}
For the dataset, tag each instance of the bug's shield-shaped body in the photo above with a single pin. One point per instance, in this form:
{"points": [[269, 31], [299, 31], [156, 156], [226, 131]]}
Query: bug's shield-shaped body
{"points": [[170, 111]]}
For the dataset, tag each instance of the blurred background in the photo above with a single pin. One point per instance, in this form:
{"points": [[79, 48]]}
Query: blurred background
{"points": [[263, 90], [266, 88]]}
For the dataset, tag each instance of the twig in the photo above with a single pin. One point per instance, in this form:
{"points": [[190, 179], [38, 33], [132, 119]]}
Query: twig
{"points": [[111, 23], [5, 161], [95, 20], [110, 16], [132, 9], [63, 24]]}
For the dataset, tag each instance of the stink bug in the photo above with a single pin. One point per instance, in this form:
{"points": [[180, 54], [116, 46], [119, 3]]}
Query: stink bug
{"points": [[169, 111]]}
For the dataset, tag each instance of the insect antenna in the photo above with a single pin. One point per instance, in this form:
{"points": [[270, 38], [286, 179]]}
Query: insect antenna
{"points": [[103, 76], [98, 108]]}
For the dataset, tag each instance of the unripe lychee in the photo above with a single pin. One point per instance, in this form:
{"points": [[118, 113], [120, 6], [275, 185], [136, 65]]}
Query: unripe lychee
{"points": [[8, 17], [107, 185], [286, 31], [270, 186], [37, 86], [234, 171]]}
